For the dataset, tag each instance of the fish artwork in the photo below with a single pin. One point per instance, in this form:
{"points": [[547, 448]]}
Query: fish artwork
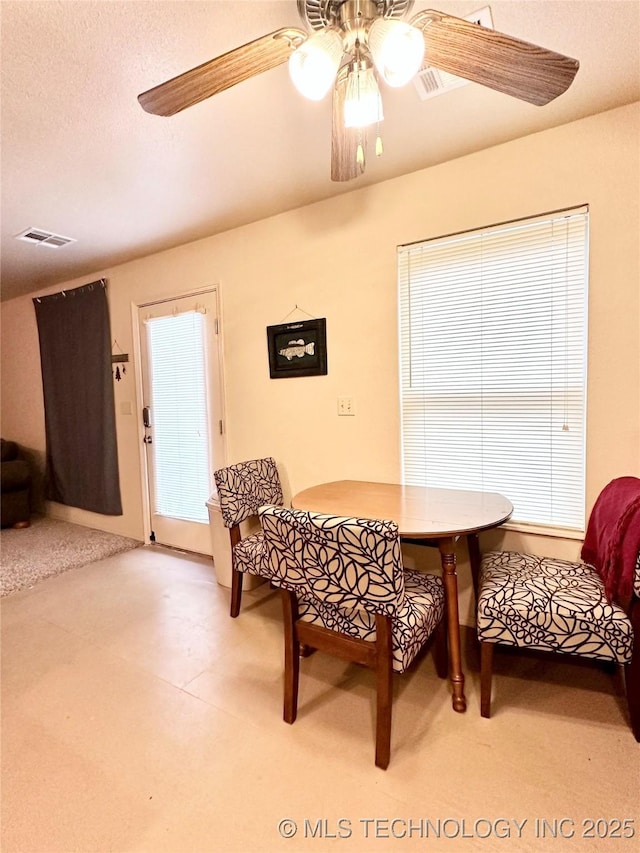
{"points": [[297, 349]]}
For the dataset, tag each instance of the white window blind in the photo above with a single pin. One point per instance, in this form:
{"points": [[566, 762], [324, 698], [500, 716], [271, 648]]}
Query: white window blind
{"points": [[493, 364], [179, 412]]}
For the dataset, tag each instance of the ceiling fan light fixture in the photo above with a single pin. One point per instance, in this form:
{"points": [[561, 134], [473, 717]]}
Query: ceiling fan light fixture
{"points": [[362, 103], [397, 49], [313, 66], [354, 42]]}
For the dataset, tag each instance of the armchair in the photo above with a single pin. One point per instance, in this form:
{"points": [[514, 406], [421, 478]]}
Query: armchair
{"points": [[345, 592], [242, 489], [15, 486], [589, 608]]}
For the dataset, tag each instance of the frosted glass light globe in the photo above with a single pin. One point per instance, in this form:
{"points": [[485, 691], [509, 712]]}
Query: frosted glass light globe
{"points": [[313, 66], [397, 49], [362, 104]]}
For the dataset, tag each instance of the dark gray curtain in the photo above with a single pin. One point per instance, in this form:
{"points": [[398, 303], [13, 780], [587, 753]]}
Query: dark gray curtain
{"points": [[75, 353]]}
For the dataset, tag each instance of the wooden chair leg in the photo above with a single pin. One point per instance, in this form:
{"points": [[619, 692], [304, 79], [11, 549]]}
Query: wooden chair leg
{"points": [[632, 672], [486, 671], [384, 690], [291, 656], [236, 576], [440, 649], [236, 592]]}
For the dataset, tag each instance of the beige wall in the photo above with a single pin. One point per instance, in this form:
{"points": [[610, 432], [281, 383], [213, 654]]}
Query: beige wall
{"points": [[337, 259]]}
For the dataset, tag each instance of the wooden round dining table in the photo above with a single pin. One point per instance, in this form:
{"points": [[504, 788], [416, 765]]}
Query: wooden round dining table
{"points": [[427, 515]]}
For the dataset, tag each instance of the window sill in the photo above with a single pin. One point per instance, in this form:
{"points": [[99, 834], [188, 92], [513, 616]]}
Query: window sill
{"points": [[543, 530]]}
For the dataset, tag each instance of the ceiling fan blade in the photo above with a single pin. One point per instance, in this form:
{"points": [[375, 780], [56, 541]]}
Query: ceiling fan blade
{"points": [[496, 60], [344, 140], [221, 73]]}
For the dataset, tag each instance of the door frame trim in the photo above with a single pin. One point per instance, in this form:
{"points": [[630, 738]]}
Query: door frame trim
{"points": [[215, 289]]}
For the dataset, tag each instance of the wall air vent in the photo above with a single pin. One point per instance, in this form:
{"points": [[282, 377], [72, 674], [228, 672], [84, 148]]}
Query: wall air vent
{"points": [[44, 238], [431, 81]]}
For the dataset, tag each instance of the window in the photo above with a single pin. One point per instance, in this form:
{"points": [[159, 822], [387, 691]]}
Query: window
{"points": [[180, 424], [493, 364]]}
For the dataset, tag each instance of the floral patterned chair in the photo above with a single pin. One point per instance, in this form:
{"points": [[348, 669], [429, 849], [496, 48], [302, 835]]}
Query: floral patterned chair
{"points": [[589, 608], [346, 592], [242, 489]]}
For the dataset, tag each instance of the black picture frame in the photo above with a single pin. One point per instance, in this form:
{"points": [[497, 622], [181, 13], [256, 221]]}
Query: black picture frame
{"points": [[298, 349]]}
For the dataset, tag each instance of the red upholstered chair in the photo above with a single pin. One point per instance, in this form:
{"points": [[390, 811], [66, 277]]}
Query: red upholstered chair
{"points": [[589, 608]]}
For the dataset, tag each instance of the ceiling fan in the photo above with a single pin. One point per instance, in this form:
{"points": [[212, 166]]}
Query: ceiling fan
{"points": [[350, 44]]}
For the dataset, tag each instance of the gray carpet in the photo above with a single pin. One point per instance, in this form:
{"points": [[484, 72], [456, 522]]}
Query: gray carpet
{"points": [[49, 547]]}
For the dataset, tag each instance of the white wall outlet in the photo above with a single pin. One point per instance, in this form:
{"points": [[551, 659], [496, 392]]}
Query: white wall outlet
{"points": [[346, 406]]}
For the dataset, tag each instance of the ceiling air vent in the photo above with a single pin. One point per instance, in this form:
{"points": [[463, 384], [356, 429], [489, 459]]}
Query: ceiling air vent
{"points": [[44, 238], [431, 81]]}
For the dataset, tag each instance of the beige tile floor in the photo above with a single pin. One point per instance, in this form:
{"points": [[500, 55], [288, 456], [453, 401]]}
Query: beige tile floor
{"points": [[137, 716]]}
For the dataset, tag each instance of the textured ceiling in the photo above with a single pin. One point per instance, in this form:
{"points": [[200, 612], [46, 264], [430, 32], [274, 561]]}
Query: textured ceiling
{"points": [[82, 159]]}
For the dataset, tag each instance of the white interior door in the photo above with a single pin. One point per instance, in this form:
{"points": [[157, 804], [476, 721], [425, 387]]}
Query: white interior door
{"points": [[182, 416]]}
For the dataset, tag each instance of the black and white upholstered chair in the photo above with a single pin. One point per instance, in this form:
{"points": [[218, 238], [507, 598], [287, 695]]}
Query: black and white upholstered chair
{"points": [[242, 489], [345, 592], [560, 606], [632, 671]]}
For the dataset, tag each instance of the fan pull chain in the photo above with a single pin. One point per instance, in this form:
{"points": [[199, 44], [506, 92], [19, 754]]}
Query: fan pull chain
{"points": [[379, 148], [360, 148]]}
